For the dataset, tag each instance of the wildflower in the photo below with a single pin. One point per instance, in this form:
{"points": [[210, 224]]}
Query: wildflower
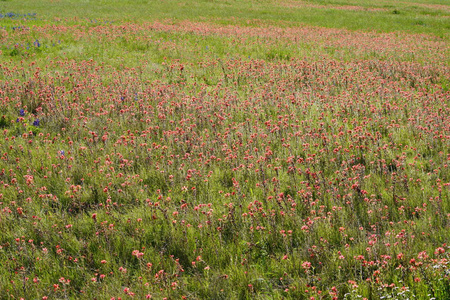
{"points": [[64, 280], [21, 113], [306, 265], [137, 253], [439, 250], [36, 123]]}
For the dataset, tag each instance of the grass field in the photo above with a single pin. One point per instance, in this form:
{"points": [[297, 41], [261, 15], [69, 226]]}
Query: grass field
{"points": [[224, 149]]}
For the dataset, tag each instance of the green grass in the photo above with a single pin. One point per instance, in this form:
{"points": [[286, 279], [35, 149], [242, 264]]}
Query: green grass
{"points": [[409, 16], [224, 149]]}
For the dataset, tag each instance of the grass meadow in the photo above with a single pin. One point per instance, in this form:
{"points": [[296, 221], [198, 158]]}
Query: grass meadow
{"points": [[225, 149]]}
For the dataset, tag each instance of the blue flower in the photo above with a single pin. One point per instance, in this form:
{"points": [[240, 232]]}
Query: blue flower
{"points": [[21, 112], [17, 120], [62, 152], [36, 122]]}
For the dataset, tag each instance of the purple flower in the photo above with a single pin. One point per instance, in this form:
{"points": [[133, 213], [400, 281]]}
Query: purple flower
{"points": [[21, 112], [36, 122]]}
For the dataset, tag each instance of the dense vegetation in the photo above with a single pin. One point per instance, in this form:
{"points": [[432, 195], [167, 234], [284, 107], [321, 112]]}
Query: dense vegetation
{"points": [[258, 150]]}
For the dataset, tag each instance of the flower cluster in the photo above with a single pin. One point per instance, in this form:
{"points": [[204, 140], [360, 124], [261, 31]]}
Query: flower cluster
{"points": [[202, 174]]}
